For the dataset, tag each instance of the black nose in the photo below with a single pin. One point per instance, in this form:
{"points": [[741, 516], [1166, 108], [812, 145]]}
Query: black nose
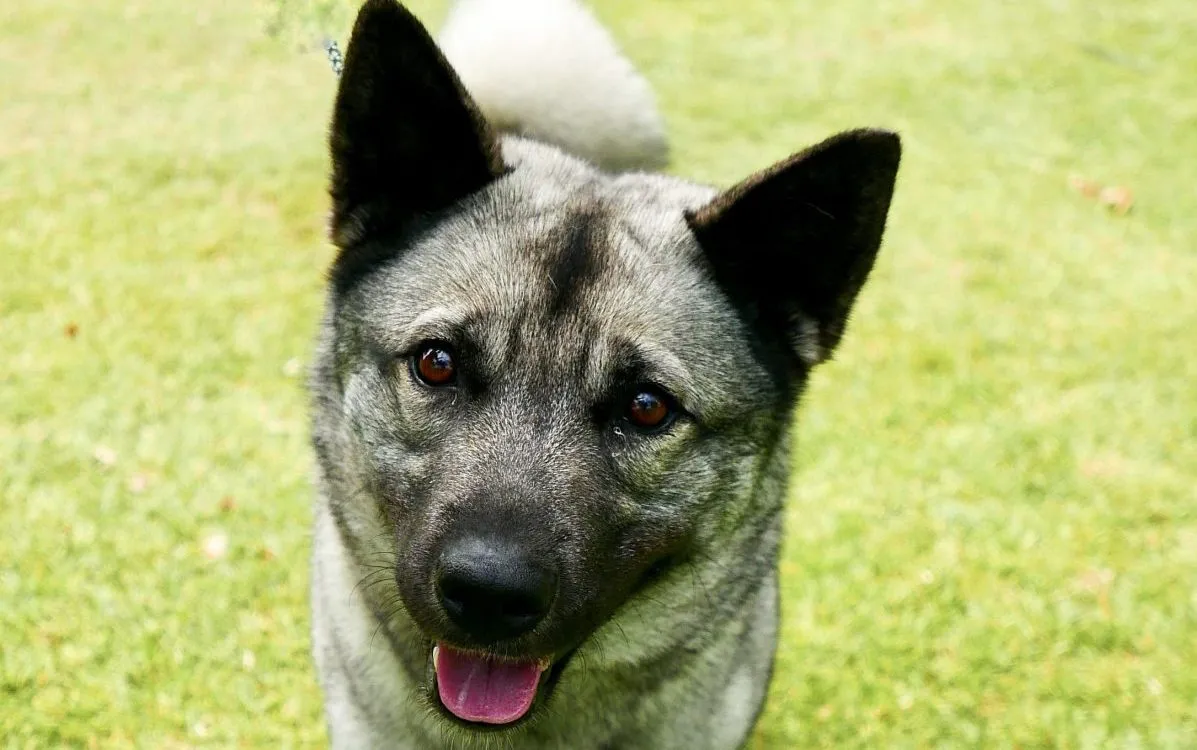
{"points": [[492, 589]]}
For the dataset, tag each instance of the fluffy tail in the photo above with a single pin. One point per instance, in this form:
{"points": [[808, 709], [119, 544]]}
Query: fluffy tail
{"points": [[547, 69]]}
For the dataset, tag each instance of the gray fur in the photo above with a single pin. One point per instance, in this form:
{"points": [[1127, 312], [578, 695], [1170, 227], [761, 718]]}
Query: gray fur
{"points": [[555, 281]]}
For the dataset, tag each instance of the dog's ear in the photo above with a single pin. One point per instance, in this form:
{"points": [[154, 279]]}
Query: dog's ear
{"points": [[793, 244], [406, 139]]}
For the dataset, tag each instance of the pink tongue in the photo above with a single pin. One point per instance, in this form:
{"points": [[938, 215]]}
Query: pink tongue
{"points": [[475, 688]]}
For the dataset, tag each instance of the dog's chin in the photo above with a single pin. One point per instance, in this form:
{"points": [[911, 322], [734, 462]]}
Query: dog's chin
{"points": [[485, 692]]}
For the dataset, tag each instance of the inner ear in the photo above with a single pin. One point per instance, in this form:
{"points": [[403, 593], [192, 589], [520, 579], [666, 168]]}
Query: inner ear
{"points": [[406, 139], [793, 244]]}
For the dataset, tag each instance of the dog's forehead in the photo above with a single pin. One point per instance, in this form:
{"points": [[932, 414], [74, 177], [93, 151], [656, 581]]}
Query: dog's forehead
{"points": [[604, 256]]}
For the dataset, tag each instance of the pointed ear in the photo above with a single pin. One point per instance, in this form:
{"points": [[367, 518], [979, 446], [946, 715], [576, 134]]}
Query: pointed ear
{"points": [[406, 139], [793, 244]]}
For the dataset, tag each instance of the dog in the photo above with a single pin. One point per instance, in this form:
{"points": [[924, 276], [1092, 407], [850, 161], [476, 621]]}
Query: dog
{"points": [[554, 392]]}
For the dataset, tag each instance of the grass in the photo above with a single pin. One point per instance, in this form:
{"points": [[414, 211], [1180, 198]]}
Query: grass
{"points": [[993, 532]]}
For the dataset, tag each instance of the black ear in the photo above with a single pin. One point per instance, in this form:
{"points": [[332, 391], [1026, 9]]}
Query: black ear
{"points": [[406, 139], [793, 244]]}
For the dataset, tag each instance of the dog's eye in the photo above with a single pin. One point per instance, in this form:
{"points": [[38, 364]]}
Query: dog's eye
{"points": [[434, 364], [650, 409]]}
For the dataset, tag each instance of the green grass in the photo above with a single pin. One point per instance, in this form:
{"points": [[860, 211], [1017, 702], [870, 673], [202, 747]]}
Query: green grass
{"points": [[993, 533]]}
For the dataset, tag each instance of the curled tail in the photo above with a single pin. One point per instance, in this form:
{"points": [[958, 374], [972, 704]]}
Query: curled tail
{"points": [[548, 70]]}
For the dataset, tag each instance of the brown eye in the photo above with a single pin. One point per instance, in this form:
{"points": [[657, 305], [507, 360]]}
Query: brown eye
{"points": [[434, 365], [649, 409]]}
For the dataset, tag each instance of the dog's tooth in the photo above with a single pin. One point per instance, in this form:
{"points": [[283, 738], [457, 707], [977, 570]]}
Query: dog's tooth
{"points": [[436, 650]]}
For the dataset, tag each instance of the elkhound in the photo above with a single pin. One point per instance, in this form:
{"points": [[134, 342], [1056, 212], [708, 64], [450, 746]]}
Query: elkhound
{"points": [[554, 392]]}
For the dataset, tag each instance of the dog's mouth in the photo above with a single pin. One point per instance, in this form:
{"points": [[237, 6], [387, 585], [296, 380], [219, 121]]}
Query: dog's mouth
{"points": [[481, 688], [486, 690]]}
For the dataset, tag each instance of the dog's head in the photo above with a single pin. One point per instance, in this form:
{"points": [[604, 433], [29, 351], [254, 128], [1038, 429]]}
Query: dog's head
{"points": [[540, 386]]}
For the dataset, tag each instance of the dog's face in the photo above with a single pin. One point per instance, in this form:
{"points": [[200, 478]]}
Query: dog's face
{"points": [[545, 384], [551, 386]]}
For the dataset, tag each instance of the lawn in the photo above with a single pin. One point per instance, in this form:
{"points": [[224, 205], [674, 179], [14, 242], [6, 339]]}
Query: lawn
{"points": [[993, 528]]}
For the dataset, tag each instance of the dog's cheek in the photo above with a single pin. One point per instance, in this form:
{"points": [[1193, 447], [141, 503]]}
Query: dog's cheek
{"points": [[658, 505], [423, 489], [644, 463], [617, 544], [414, 528], [393, 427]]}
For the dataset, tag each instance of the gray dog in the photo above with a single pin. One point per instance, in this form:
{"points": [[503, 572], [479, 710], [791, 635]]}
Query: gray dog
{"points": [[553, 396]]}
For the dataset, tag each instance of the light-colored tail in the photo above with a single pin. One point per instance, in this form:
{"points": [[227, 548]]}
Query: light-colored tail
{"points": [[548, 70]]}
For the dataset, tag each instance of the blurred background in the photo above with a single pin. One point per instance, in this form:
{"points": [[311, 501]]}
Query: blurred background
{"points": [[993, 524]]}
